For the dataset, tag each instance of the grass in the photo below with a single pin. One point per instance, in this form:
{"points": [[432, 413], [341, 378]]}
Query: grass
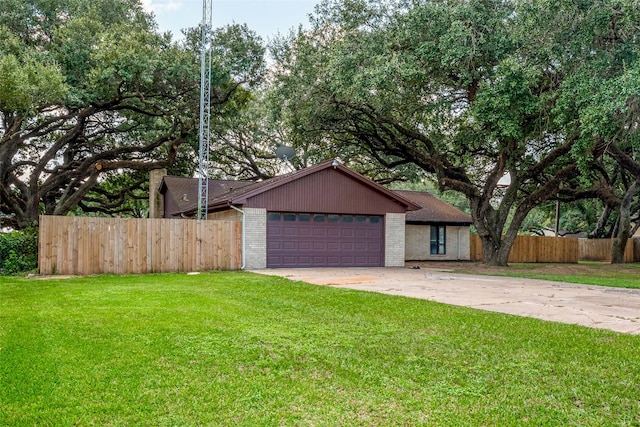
{"points": [[249, 350], [588, 273]]}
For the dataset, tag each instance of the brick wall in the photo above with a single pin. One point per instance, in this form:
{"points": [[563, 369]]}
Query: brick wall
{"points": [[230, 214], [255, 220], [394, 240], [156, 200], [418, 241]]}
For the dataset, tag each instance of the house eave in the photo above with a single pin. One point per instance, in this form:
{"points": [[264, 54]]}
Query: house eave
{"points": [[214, 207], [439, 222]]}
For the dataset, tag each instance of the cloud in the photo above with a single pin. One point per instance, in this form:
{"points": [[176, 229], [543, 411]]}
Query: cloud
{"points": [[160, 6]]}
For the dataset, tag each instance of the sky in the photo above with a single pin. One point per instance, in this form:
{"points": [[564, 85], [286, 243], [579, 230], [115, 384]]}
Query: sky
{"points": [[265, 17]]}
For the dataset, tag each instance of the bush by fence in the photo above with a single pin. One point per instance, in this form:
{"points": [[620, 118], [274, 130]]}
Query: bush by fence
{"points": [[81, 245], [559, 249], [19, 251]]}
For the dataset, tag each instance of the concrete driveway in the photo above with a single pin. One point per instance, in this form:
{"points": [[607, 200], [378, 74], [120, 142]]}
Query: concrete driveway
{"points": [[615, 309]]}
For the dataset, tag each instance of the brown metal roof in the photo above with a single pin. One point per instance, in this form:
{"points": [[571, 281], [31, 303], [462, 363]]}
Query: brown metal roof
{"points": [[433, 210], [184, 191]]}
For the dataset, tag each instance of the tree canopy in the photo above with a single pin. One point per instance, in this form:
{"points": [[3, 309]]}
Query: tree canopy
{"points": [[514, 104], [90, 91], [492, 98]]}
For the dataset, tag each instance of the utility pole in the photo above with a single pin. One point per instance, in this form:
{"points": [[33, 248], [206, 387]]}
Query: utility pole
{"points": [[205, 109]]}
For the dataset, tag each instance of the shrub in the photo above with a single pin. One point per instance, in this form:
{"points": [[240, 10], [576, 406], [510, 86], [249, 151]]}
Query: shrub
{"points": [[19, 251]]}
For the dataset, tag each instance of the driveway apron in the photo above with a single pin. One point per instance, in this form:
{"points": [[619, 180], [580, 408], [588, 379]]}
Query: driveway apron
{"points": [[616, 309]]}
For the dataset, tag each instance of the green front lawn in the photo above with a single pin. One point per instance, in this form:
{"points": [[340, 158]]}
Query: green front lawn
{"points": [[587, 273], [244, 349]]}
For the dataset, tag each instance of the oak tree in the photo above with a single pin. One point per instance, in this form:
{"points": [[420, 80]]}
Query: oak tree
{"points": [[476, 93], [91, 91]]}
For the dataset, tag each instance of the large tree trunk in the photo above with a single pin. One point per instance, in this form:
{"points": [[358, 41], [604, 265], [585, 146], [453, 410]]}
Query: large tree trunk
{"points": [[599, 231], [624, 225], [489, 227], [497, 238], [495, 253]]}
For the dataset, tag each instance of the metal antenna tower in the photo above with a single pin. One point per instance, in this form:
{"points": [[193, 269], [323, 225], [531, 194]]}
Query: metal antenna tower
{"points": [[205, 109]]}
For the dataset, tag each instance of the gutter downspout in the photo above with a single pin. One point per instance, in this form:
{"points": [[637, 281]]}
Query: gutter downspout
{"points": [[459, 229], [244, 252]]}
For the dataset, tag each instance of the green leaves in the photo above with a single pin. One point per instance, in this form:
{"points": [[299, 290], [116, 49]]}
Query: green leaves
{"points": [[125, 61], [89, 91], [238, 52], [505, 102], [28, 85], [470, 91]]}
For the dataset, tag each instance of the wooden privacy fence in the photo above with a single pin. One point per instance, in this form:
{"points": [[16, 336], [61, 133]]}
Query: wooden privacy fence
{"points": [[535, 249], [559, 249], [82, 245], [600, 250]]}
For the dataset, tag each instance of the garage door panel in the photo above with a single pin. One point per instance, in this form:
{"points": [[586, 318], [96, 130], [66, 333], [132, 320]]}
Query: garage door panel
{"points": [[289, 245], [360, 246], [305, 245], [319, 232], [347, 232], [274, 231], [274, 260], [333, 232], [305, 231], [333, 260], [347, 246], [319, 246], [333, 246], [347, 260], [289, 231], [361, 232], [289, 260], [325, 240], [274, 245], [305, 261]]}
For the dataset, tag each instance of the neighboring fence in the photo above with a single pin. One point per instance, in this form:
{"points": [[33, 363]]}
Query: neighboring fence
{"points": [[83, 245], [560, 249], [534, 249], [600, 250]]}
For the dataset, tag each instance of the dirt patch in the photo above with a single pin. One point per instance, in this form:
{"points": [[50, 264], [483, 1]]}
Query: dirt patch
{"points": [[350, 281], [49, 277], [336, 281]]}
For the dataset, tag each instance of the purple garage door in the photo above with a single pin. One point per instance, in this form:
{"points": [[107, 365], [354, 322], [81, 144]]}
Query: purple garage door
{"points": [[324, 240]]}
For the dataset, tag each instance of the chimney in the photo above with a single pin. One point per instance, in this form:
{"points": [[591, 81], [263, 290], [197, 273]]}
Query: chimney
{"points": [[156, 200]]}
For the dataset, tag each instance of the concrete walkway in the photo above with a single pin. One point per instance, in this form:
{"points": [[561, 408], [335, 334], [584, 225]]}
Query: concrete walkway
{"points": [[615, 309]]}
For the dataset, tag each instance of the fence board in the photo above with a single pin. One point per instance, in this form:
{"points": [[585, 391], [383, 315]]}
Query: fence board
{"points": [[559, 249], [600, 250], [84, 245], [534, 249]]}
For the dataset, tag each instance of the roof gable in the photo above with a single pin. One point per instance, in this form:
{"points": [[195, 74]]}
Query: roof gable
{"points": [[253, 194], [319, 184]]}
